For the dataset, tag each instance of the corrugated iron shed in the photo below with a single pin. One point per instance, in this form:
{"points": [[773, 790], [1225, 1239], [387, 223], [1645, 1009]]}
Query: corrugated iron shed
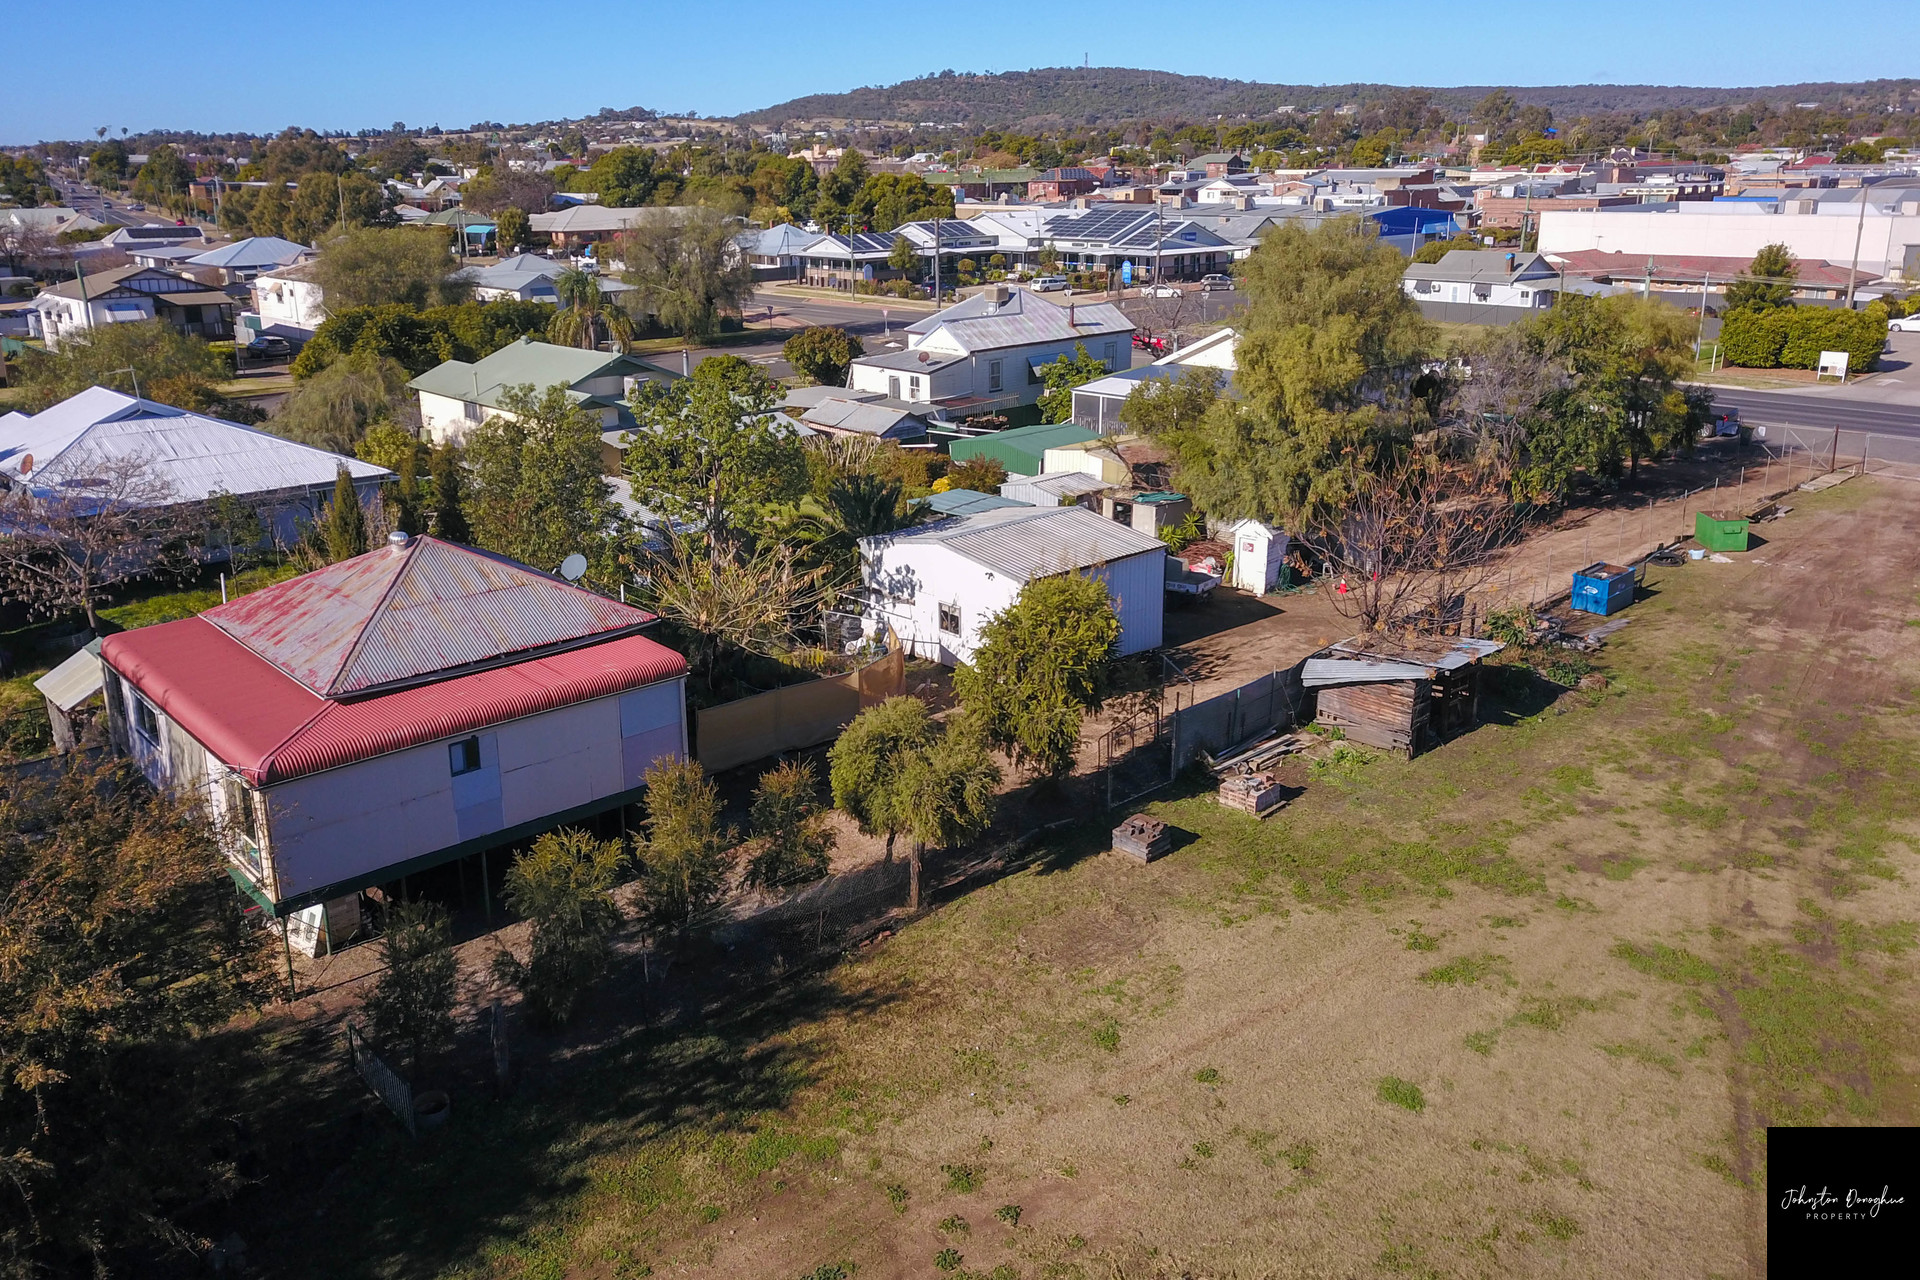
{"points": [[73, 681], [401, 614]]}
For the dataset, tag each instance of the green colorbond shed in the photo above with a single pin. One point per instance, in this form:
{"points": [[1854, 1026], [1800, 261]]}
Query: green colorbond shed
{"points": [[1718, 531], [1020, 449]]}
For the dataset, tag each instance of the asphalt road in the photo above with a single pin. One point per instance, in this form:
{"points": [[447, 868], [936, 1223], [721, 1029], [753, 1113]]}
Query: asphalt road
{"points": [[1820, 411]]}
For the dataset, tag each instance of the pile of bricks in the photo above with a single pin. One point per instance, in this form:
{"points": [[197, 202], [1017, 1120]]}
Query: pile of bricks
{"points": [[1256, 793]]}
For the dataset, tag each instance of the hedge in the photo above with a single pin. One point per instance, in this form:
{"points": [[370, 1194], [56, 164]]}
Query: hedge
{"points": [[1793, 337]]}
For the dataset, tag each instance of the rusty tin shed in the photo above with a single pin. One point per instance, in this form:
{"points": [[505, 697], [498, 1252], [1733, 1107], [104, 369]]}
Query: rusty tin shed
{"points": [[1399, 695]]}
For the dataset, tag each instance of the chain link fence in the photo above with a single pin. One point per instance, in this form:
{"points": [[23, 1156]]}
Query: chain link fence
{"points": [[1810, 451]]}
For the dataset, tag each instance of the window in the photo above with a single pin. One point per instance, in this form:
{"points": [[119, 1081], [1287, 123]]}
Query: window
{"points": [[1483, 291], [893, 387], [950, 619], [146, 720], [464, 756], [993, 375], [245, 823], [1110, 354], [913, 387], [472, 412]]}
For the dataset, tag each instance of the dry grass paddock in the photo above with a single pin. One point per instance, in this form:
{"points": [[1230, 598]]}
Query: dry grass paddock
{"points": [[1521, 1006]]}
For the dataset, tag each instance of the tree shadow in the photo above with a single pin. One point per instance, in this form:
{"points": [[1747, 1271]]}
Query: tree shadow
{"points": [[1511, 693]]}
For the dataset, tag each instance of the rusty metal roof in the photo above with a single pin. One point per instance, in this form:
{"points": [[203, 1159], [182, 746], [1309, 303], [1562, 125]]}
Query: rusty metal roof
{"points": [[262, 723], [403, 614]]}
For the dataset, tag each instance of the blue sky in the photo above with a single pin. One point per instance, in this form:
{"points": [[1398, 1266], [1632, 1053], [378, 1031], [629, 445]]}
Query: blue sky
{"points": [[349, 64]]}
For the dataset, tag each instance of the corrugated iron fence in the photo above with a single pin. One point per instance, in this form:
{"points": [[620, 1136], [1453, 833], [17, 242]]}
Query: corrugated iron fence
{"points": [[1144, 755], [795, 717], [1236, 716]]}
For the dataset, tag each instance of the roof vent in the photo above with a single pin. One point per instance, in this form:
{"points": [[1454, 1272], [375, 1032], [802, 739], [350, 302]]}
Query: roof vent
{"points": [[998, 294], [398, 538]]}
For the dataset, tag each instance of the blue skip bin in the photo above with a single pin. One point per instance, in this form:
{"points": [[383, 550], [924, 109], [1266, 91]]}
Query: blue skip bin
{"points": [[1602, 588]]}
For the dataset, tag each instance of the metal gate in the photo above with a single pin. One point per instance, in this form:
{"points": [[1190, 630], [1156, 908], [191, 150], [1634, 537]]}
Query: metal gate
{"points": [[386, 1085]]}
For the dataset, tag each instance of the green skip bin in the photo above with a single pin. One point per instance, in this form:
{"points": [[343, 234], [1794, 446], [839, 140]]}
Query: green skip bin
{"points": [[1718, 531]]}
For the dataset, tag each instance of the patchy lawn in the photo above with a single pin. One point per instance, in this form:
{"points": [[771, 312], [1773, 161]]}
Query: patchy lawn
{"points": [[1522, 1005]]}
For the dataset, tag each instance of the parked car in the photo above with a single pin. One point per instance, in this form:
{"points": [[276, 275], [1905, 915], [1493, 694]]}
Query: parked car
{"points": [[1905, 324], [1147, 342], [269, 346], [1726, 422], [1209, 283], [1048, 284], [1160, 291]]}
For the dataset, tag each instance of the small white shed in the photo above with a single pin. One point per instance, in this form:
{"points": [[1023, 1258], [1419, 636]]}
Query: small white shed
{"points": [[1259, 554]]}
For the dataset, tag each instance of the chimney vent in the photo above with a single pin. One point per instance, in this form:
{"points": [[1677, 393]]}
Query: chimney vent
{"points": [[398, 538]]}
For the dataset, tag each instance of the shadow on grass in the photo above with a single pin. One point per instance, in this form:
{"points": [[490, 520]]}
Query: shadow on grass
{"points": [[500, 1169]]}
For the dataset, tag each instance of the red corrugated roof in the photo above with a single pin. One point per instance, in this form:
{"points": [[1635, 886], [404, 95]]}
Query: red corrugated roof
{"points": [[1691, 267], [260, 721], [400, 614]]}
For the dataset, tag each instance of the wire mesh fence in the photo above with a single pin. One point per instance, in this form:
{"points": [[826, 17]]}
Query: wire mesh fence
{"points": [[1811, 451]]}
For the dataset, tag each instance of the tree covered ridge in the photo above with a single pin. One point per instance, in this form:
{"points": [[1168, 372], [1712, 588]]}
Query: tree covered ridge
{"points": [[1078, 95]]}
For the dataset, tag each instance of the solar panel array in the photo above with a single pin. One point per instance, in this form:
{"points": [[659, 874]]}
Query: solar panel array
{"points": [[1102, 224]]}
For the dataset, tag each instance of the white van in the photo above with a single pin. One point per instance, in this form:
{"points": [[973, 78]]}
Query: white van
{"points": [[1048, 284]]}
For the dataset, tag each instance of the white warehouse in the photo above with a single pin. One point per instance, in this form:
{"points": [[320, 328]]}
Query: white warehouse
{"points": [[937, 584]]}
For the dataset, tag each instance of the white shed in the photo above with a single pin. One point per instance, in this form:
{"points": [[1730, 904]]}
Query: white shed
{"points": [[937, 584], [1259, 554]]}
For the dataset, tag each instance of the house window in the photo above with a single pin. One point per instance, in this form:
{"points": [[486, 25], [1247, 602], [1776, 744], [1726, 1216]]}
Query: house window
{"points": [[464, 756], [893, 387], [950, 619], [913, 387], [146, 720], [472, 412], [993, 375], [1110, 354], [245, 823], [1483, 291]]}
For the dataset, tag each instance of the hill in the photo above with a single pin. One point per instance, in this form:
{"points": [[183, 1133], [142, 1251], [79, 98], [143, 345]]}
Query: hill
{"points": [[1079, 96]]}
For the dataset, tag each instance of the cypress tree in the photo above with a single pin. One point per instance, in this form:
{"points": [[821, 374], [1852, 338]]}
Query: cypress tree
{"points": [[406, 495], [346, 522], [450, 520]]}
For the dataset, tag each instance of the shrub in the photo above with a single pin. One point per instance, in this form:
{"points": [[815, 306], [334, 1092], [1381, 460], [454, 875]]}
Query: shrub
{"points": [[1794, 337], [1512, 626], [1753, 339], [563, 886]]}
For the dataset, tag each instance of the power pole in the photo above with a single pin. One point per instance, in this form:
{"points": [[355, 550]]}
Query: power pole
{"points": [[1859, 227]]}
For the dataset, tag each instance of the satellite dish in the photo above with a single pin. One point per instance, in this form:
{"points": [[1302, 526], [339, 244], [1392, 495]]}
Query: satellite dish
{"points": [[26, 465], [574, 567]]}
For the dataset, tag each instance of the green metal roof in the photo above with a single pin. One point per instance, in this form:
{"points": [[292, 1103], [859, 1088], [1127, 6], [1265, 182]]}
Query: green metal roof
{"points": [[1020, 450], [527, 361]]}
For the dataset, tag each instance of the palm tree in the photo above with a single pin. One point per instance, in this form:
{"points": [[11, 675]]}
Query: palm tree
{"points": [[584, 313]]}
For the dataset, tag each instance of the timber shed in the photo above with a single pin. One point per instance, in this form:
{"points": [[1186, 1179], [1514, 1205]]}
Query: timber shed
{"points": [[1399, 695]]}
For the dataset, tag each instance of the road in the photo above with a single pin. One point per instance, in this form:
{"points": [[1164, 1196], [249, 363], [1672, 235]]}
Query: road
{"points": [[1820, 412]]}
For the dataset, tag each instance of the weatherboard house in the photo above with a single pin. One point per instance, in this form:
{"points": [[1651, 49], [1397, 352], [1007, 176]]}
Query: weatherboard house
{"points": [[397, 711]]}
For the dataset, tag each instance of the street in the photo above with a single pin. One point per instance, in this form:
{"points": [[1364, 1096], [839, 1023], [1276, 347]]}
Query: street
{"points": [[1886, 404]]}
